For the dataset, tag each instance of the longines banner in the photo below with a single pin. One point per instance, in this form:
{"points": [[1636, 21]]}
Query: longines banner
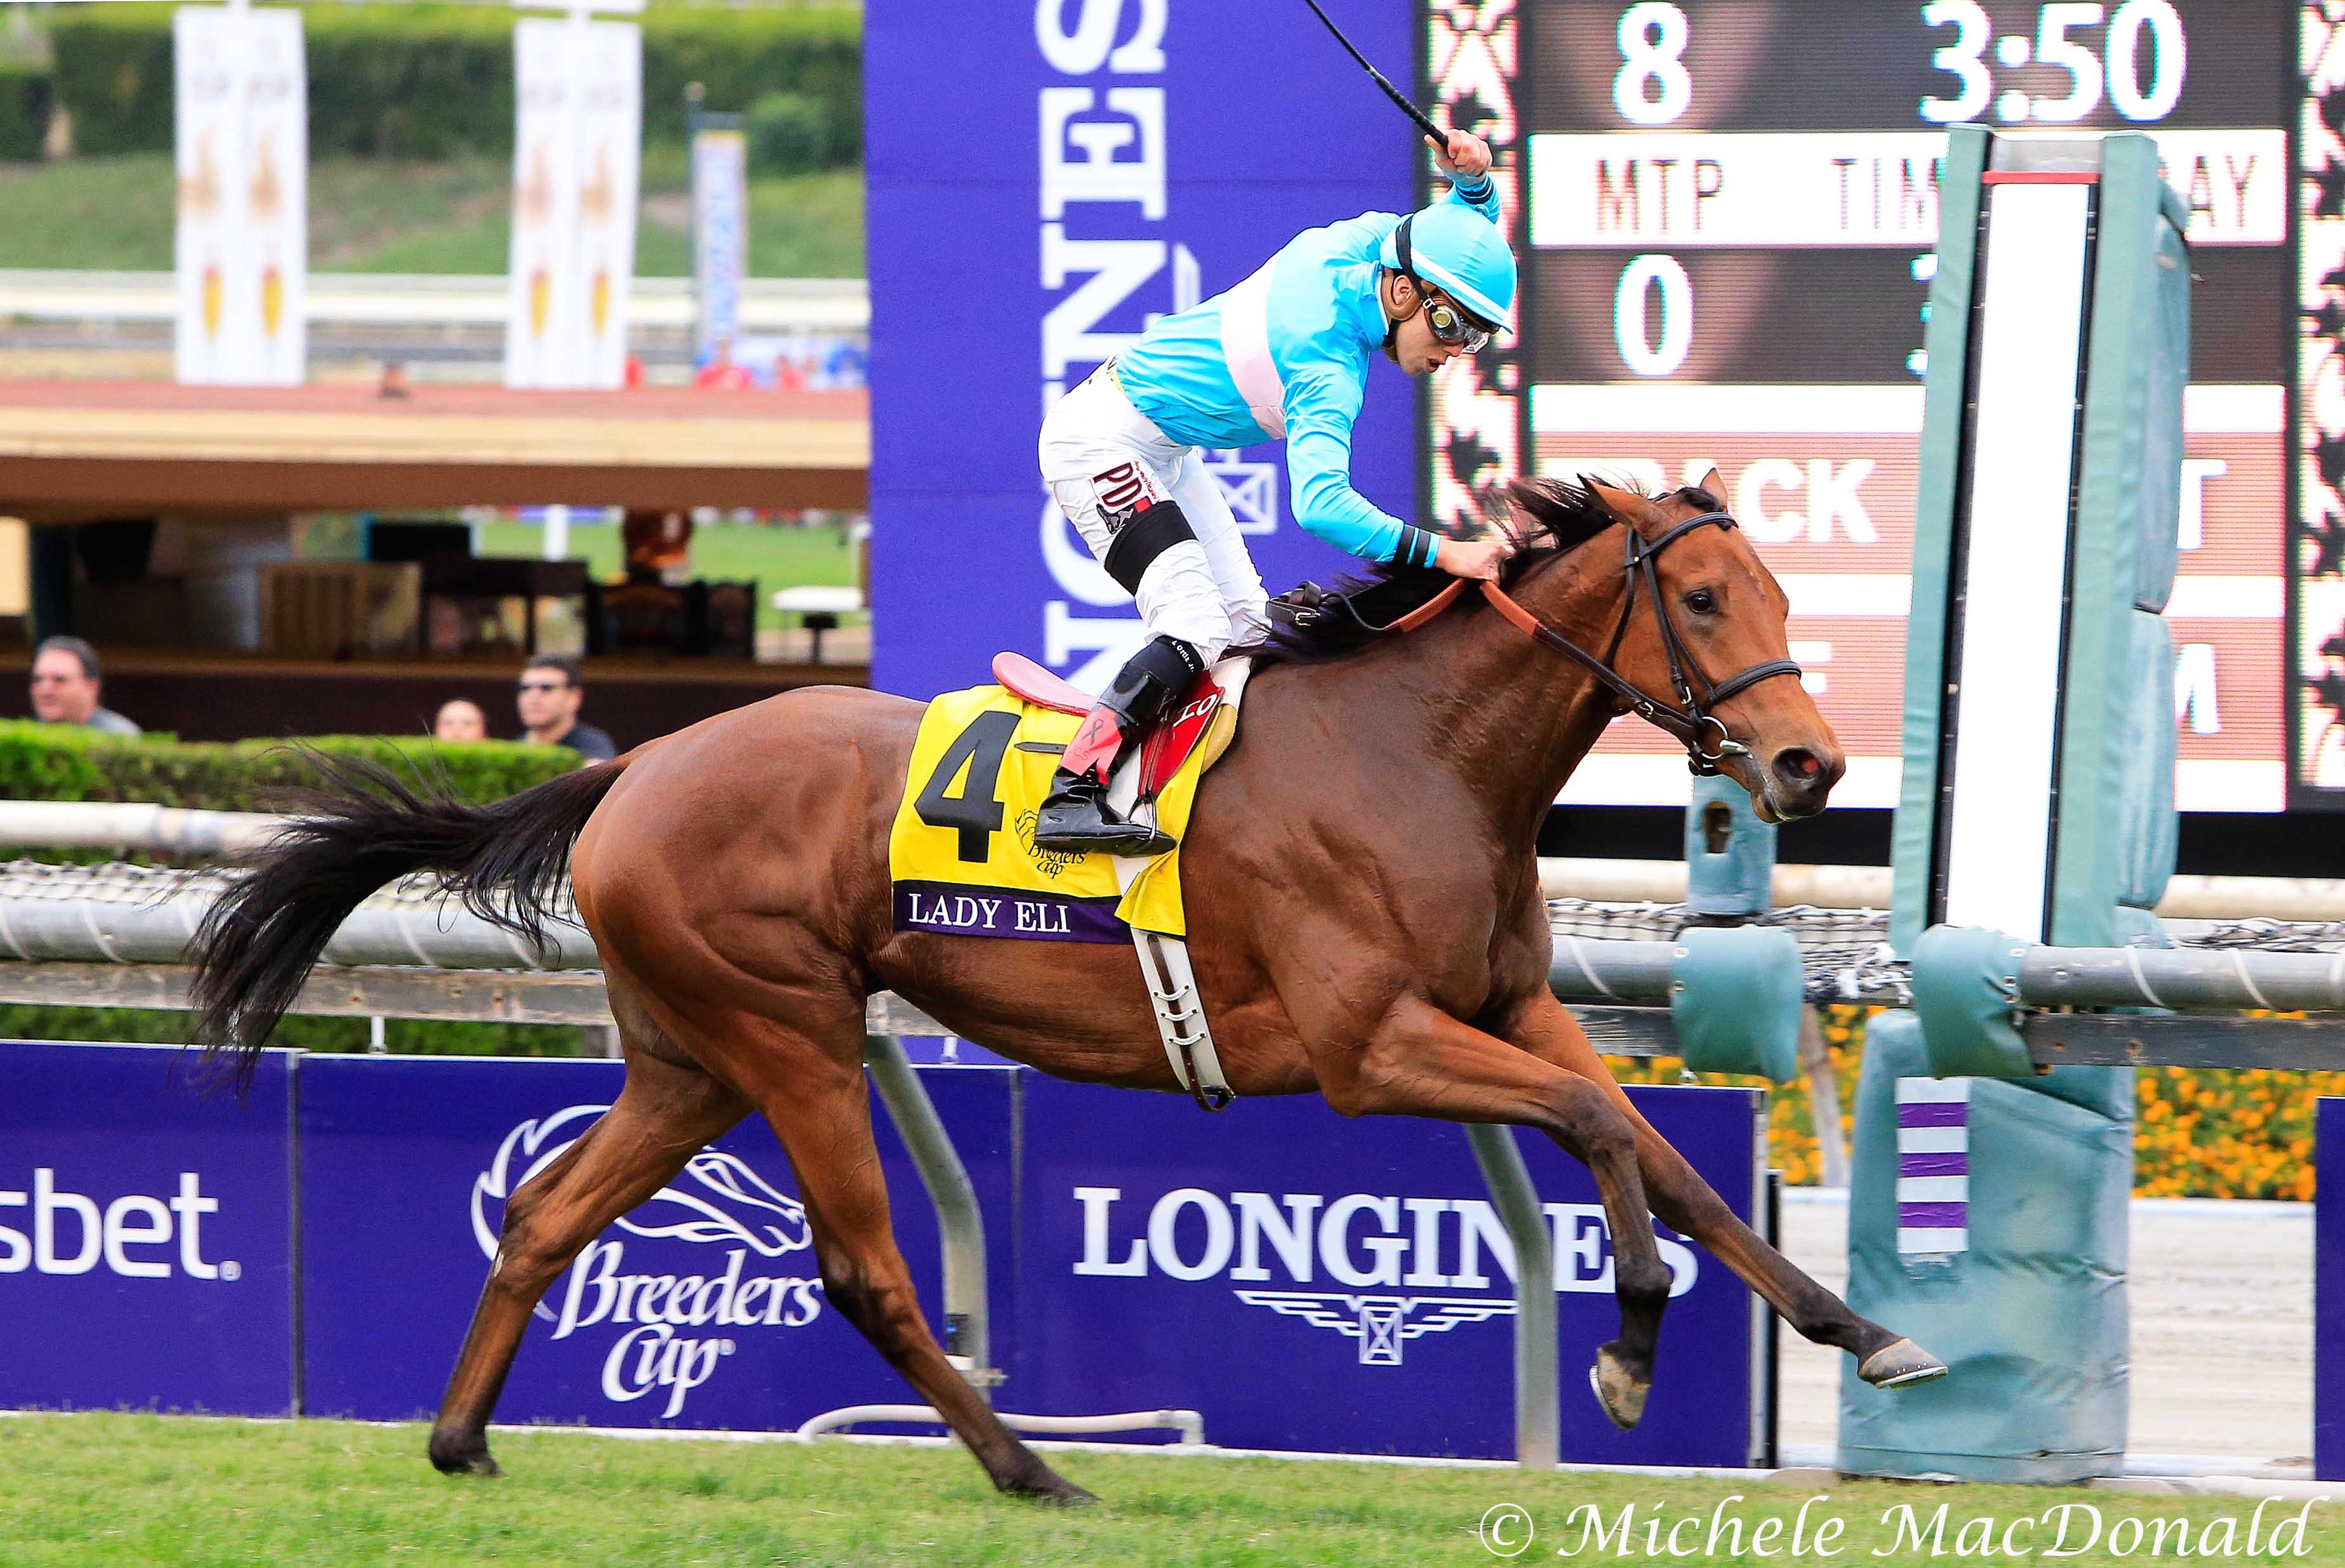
{"points": [[1303, 1281], [241, 95], [1036, 193], [1312, 1283]]}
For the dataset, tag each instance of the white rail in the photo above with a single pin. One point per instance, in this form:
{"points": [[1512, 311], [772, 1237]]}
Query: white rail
{"points": [[87, 824], [136, 825], [144, 914]]}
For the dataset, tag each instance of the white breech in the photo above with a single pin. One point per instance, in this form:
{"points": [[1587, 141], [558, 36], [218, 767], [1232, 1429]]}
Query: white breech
{"points": [[1105, 461]]}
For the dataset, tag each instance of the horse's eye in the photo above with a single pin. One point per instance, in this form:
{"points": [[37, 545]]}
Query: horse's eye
{"points": [[1701, 601]]}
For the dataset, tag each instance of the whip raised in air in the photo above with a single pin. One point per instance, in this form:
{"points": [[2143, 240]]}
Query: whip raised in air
{"points": [[1440, 136]]}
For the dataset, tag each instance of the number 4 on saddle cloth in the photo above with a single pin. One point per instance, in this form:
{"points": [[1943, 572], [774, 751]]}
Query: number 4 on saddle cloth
{"points": [[961, 853]]}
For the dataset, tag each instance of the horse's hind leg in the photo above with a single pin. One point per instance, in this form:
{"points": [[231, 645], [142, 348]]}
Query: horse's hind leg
{"points": [[1686, 1203], [818, 1102], [666, 1111], [1420, 1062]]}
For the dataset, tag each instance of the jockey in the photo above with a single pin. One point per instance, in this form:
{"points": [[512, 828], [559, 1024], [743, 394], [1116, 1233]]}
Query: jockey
{"points": [[1284, 354]]}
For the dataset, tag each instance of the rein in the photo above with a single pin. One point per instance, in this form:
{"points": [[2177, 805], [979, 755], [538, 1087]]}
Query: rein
{"points": [[1690, 719]]}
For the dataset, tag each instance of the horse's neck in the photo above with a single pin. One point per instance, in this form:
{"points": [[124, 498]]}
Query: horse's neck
{"points": [[1509, 718], [1527, 715]]}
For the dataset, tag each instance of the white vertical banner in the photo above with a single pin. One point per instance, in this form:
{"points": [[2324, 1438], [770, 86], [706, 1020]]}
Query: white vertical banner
{"points": [[243, 162], [577, 146], [720, 238], [612, 136]]}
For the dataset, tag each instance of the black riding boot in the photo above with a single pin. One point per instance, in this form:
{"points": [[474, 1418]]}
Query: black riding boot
{"points": [[1076, 817]]}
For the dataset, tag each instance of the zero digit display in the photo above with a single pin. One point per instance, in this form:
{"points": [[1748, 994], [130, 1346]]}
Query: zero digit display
{"points": [[1727, 212]]}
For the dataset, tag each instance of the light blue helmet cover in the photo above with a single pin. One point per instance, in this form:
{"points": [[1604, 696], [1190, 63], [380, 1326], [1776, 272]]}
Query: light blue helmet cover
{"points": [[1461, 253]]}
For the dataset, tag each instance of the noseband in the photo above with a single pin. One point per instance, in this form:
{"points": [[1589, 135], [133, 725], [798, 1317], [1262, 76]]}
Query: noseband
{"points": [[1690, 720]]}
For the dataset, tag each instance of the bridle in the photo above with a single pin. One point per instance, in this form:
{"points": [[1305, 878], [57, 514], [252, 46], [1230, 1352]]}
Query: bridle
{"points": [[1690, 720]]}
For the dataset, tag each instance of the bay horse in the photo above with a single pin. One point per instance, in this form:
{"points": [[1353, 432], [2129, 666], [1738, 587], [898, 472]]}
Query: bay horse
{"points": [[1364, 921]]}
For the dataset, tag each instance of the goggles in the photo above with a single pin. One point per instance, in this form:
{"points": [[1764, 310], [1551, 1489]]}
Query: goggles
{"points": [[1453, 326]]}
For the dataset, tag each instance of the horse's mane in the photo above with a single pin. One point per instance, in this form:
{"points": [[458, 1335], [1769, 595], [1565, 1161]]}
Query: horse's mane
{"points": [[1547, 517]]}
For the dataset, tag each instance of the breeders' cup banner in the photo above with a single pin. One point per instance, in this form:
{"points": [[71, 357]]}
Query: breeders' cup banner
{"points": [[146, 1232], [1044, 182], [1306, 1282], [702, 1308]]}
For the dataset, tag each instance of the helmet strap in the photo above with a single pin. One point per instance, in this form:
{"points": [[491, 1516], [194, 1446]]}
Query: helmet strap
{"points": [[1393, 323]]}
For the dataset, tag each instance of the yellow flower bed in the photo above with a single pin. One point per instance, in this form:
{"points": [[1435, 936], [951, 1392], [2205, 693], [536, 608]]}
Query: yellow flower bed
{"points": [[2196, 1133]]}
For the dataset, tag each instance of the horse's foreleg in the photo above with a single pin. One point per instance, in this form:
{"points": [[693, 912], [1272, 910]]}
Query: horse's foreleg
{"points": [[820, 1109], [1686, 1203], [664, 1114], [1421, 1062]]}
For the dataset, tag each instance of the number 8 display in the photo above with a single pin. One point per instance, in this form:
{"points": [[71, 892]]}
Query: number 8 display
{"points": [[1657, 58]]}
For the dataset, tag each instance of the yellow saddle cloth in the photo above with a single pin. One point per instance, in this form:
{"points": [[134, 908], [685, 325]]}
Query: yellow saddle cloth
{"points": [[962, 852]]}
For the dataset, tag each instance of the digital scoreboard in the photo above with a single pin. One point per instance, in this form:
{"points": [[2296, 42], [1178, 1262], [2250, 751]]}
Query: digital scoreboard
{"points": [[1726, 213]]}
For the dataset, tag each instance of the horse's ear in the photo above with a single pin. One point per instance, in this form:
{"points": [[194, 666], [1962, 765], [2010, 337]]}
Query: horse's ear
{"points": [[1626, 505], [1713, 483]]}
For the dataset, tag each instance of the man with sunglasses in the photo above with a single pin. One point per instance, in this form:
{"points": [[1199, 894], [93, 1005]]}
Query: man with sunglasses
{"points": [[548, 696], [1283, 356]]}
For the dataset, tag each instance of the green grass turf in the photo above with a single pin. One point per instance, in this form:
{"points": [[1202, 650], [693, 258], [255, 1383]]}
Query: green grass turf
{"points": [[776, 556], [369, 214], [97, 1491]]}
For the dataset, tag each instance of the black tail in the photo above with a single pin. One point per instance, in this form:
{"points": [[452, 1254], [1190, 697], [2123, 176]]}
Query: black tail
{"points": [[363, 829]]}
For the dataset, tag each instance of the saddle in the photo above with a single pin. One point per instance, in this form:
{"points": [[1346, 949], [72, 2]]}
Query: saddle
{"points": [[1039, 685], [1168, 745]]}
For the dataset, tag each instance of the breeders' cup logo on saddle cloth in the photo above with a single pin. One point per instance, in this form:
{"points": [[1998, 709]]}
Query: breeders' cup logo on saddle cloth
{"points": [[671, 1322], [1051, 864], [1406, 1267]]}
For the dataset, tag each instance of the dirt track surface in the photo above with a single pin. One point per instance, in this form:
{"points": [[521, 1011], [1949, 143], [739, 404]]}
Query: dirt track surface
{"points": [[2222, 1328]]}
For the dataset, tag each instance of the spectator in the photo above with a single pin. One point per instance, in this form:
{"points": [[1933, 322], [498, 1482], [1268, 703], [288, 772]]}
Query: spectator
{"points": [[66, 680], [548, 697], [721, 374], [460, 719]]}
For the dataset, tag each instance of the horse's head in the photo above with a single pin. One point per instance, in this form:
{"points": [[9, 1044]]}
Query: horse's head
{"points": [[1727, 614]]}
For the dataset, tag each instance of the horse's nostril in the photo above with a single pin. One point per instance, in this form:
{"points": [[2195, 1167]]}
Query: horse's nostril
{"points": [[1800, 767]]}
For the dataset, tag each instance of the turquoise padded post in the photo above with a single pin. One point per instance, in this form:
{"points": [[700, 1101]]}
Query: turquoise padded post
{"points": [[2149, 832], [1987, 1215], [1730, 853], [1735, 996], [1937, 488], [2128, 485], [2019, 1286], [1966, 991]]}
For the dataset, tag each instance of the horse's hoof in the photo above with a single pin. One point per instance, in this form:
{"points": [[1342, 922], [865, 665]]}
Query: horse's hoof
{"points": [[458, 1455], [1620, 1391], [1050, 1487], [1895, 1366]]}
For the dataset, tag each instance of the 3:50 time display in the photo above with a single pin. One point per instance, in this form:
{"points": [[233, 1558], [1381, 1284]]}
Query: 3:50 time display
{"points": [[2134, 57], [2140, 64]]}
